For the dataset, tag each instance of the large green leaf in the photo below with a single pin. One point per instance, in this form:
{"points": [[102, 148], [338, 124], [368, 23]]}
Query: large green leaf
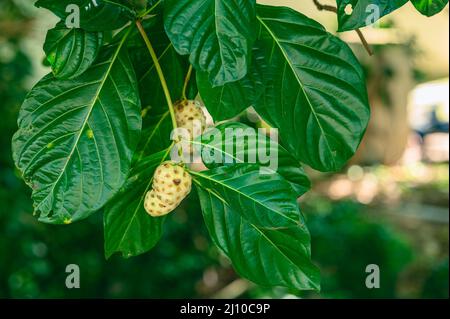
{"points": [[364, 12], [76, 138], [316, 94], [71, 52], [128, 228], [217, 34], [259, 229], [226, 101], [236, 143], [98, 15], [429, 7]]}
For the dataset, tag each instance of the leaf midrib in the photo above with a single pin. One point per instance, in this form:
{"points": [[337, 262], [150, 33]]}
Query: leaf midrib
{"points": [[157, 126], [281, 252], [271, 243], [107, 73], [288, 61], [242, 194], [153, 65], [141, 200], [217, 31]]}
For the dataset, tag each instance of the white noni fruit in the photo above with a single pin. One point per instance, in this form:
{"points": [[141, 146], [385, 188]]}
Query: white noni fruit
{"points": [[171, 184]]}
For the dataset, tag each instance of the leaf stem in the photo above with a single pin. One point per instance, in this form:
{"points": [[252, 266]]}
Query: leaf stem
{"points": [[159, 71], [151, 9], [168, 152], [323, 7], [364, 42], [119, 5], [186, 82]]}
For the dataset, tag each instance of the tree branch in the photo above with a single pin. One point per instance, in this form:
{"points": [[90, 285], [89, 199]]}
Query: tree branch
{"points": [[364, 42], [323, 7]]}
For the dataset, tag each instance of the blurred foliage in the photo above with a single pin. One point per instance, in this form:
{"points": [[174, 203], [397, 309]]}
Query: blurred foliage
{"points": [[33, 256], [436, 285], [346, 240]]}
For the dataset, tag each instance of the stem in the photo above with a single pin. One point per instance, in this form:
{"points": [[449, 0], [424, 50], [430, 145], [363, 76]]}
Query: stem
{"points": [[167, 152], [322, 7], [151, 9], [159, 71], [119, 5], [186, 82], [364, 42]]}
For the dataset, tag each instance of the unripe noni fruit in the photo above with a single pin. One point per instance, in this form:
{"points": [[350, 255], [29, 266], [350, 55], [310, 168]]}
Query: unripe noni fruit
{"points": [[171, 184], [189, 115]]}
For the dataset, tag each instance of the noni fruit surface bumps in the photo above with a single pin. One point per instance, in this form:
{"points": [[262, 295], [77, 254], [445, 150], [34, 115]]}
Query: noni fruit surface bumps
{"points": [[189, 115], [171, 184]]}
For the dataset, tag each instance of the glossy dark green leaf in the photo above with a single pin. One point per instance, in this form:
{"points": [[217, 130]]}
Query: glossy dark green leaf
{"points": [[155, 135], [229, 100], [316, 94], [76, 138], [95, 15], [259, 229], [71, 52], [429, 7], [140, 5], [236, 143], [129, 230], [217, 34], [354, 14]]}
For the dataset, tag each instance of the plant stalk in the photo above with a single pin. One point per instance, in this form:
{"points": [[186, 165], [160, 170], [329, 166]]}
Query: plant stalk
{"points": [[159, 71], [151, 9], [323, 7], [186, 82]]}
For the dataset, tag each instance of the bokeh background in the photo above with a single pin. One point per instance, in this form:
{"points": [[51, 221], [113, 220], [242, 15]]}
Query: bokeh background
{"points": [[389, 206]]}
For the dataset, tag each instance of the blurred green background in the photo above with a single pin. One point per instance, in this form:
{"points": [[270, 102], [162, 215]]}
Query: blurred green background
{"points": [[393, 213]]}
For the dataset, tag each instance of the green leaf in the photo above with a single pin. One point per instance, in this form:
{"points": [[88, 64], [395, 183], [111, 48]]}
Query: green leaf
{"points": [[237, 143], [229, 100], [76, 138], [259, 229], [316, 94], [128, 228], [174, 66], [217, 34], [155, 135], [141, 5], [429, 7], [71, 52], [98, 15], [364, 12]]}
